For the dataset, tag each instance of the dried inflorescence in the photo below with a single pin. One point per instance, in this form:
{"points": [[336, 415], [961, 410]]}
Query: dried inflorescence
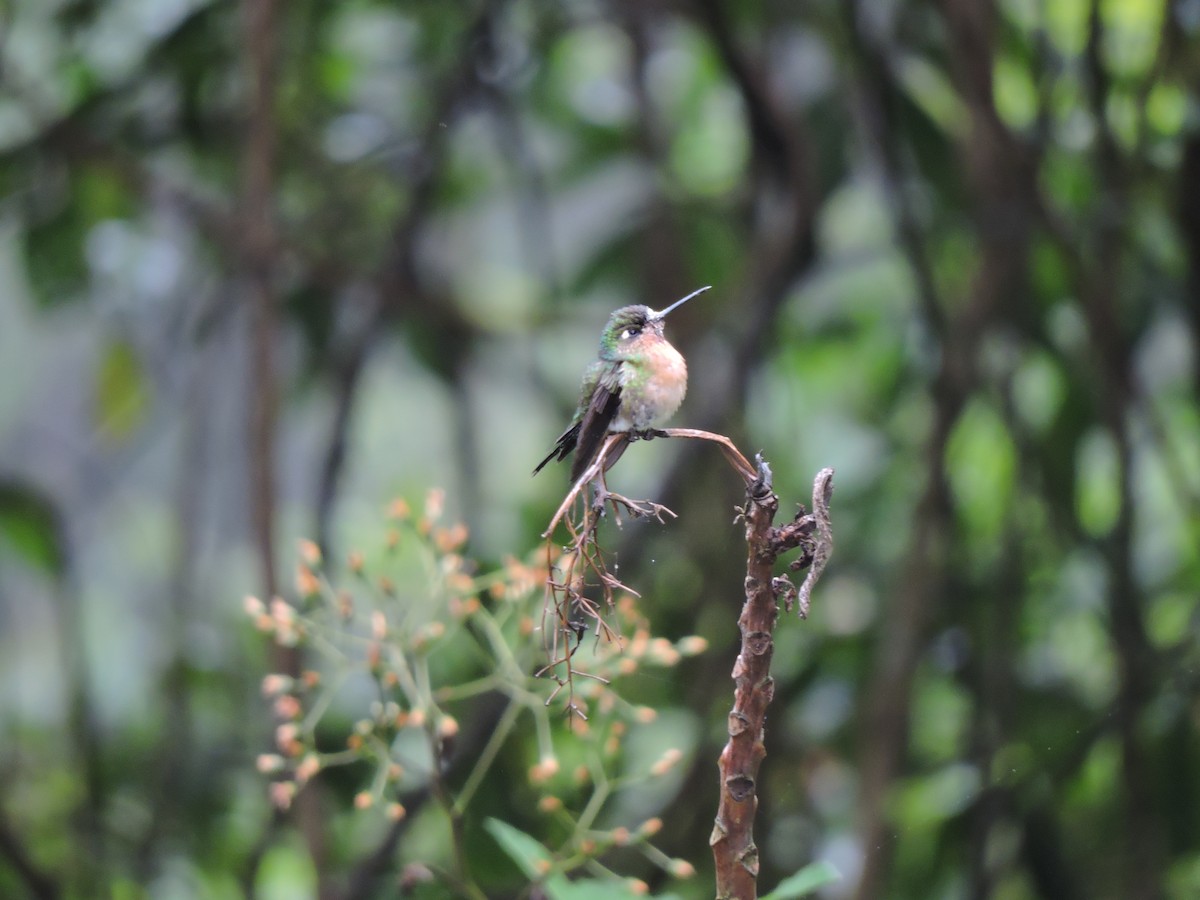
{"points": [[432, 641]]}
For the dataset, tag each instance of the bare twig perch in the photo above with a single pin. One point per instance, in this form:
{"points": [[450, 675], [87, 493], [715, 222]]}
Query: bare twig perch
{"points": [[614, 446]]}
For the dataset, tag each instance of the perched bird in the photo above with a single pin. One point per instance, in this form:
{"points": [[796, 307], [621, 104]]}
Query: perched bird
{"points": [[637, 383]]}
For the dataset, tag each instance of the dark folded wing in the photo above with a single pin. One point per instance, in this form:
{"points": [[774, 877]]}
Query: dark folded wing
{"points": [[593, 427]]}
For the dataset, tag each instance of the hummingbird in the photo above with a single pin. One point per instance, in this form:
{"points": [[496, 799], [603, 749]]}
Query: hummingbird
{"points": [[634, 386]]}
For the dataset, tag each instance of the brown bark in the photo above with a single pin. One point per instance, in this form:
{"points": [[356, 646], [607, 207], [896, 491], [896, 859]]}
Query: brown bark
{"points": [[734, 851], [258, 231], [732, 839], [258, 270]]}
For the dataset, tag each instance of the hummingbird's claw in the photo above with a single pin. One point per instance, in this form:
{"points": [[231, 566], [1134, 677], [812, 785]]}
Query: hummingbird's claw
{"points": [[648, 434]]}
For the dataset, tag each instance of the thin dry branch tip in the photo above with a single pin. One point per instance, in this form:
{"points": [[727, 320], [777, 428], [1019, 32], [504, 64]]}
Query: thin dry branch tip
{"points": [[822, 493]]}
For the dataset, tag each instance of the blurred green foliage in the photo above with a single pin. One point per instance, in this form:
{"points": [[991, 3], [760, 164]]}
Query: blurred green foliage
{"points": [[956, 255]]}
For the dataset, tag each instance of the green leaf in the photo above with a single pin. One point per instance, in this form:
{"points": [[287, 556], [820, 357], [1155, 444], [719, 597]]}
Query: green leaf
{"points": [[1098, 490], [30, 524], [527, 852], [122, 392], [814, 875], [1067, 25], [54, 255], [535, 860], [67, 207], [1015, 91], [285, 871], [927, 801], [933, 92], [594, 889], [981, 463], [710, 152]]}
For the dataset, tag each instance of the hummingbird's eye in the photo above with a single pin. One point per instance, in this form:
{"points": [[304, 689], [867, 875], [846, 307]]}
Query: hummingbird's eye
{"points": [[630, 332]]}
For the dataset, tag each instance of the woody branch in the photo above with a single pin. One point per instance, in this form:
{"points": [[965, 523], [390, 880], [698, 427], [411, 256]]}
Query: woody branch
{"points": [[732, 841]]}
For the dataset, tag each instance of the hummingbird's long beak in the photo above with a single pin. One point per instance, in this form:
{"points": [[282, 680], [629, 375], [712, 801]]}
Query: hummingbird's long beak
{"points": [[662, 315]]}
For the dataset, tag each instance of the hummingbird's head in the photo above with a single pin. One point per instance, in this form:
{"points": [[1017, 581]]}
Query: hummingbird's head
{"points": [[631, 325], [626, 327]]}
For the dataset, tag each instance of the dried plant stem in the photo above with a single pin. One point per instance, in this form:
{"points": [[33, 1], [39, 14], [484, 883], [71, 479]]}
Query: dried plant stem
{"points": [[734, 456], [583, 557], [732, 841]]}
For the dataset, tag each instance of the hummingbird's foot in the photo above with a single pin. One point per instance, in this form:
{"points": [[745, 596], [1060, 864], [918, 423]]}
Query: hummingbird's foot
{"points": [[648, 434]]}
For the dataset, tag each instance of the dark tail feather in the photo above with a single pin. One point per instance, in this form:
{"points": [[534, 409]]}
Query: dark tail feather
{"points": [[562, 447]]}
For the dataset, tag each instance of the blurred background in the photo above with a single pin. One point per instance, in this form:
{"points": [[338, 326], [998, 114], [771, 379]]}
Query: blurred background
{"points": [[266, 266]]}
